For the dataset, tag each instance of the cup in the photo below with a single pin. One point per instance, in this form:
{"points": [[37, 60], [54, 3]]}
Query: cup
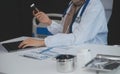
{"points": [[66, 63]]}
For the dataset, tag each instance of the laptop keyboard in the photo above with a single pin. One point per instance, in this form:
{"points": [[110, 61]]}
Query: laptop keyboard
{"points": [[13, 46]]}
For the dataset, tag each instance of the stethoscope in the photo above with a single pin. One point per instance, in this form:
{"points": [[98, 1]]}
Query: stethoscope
{"points": [[75, 18]]}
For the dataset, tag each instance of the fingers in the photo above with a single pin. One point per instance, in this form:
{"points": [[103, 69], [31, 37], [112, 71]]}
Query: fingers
{"points": [[24, 43], [36, 14], [39, 15], [31, 42], [35, 11]]}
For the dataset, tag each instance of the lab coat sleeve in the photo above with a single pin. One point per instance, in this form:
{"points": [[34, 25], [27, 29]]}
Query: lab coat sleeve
{"points": [[55, 28], [92, 22]]}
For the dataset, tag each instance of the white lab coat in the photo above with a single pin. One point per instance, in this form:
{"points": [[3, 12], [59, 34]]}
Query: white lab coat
{"points": [[91, 29]]}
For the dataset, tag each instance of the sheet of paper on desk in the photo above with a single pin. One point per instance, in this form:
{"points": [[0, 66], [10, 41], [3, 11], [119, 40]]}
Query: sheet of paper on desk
{"points": [[66, 50], [41, 54], [35, 56], [38, 55], [45, 53]]}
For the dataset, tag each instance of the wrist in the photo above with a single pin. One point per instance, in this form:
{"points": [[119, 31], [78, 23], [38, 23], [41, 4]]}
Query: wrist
{"points": [[42, 43], [49, 22]]}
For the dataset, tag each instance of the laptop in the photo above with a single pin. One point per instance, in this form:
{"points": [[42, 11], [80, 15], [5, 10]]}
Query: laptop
{"points": [[12, 46], [2, 49]]}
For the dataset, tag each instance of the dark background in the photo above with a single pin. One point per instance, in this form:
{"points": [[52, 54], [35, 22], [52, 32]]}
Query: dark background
{"points": [[114, 24], [16, 17]]}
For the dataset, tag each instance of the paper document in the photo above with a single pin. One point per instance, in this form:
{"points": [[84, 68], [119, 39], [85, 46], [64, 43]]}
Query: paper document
{"points": [[45, 53]]}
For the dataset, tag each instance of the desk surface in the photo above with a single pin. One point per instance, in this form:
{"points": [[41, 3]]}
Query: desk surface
{"points": [[13, 63]]}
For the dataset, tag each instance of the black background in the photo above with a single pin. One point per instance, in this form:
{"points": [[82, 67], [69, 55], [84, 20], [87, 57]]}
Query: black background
{"points": [[16, 15], [114, 24]]}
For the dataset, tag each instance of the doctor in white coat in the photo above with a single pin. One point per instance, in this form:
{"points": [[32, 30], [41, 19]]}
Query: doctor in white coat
{"points": [[87, 26]]}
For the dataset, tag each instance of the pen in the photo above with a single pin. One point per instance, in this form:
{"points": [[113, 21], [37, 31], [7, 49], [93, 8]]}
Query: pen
{"points": [[89, 62], [27, 56], [45, 50], [37, 58]]}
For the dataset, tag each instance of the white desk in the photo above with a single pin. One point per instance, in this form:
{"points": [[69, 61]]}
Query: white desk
{"points": [[12, 63]]}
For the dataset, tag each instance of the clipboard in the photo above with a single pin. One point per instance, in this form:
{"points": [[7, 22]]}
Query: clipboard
{"points": [[104, 62]]}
